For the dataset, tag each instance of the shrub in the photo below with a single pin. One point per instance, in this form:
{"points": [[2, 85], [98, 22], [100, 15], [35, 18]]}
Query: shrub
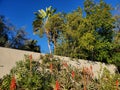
{"points": [[51, 73]]}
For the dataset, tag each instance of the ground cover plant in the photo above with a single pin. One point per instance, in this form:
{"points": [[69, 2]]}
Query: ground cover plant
{"points": [[51, 73]]}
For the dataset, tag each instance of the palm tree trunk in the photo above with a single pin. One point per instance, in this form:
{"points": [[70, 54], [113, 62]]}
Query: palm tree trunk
{"points": [[48, 37], [49, 47], [48, 40]]}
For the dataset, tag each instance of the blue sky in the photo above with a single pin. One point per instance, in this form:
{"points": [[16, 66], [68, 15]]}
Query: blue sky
{"points": [[20, 13]]}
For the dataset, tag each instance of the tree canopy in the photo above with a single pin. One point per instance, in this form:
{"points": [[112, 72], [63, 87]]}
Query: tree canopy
{"points": [[88, 33], [15, 38]]}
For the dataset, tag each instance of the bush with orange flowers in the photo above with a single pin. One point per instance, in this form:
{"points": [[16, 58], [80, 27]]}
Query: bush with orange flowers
{"points": [[52, 74]]}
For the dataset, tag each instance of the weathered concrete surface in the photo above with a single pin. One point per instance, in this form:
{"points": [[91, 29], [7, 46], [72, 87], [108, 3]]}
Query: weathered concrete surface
{"points": [[97, 67], [8, 58]]}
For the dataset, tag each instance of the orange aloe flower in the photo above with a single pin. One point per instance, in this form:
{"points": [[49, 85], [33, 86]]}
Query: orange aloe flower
{"points": [[86, 70], [57, 86], [85, 88], [91, 71], [73, 74], [13, 83], [117, 84], [51, 67], [30, 57], [65, 64], [91, 67]]}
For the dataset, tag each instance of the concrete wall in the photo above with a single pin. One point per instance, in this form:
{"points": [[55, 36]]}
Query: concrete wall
{"points": [[8, 58], [98, 67]]}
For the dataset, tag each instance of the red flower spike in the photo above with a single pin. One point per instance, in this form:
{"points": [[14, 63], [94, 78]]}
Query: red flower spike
{"points": [[85, 88], [73, 74], [30, 57], [117, 84], [91, 71], [87, 69], [92, 74], [57, 86], [13, 84], [51, 67], [91, 67], [65, 64]]}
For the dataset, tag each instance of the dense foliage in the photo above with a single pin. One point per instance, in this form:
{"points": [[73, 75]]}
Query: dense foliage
{"points": [[50, 73], [15, 38], [91, 33], [40, 23]]}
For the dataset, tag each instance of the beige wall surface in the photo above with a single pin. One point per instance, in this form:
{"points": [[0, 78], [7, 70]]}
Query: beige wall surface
{"points": [[8, 58]]}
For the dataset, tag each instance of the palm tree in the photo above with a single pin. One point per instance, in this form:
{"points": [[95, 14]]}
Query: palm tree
{"points": [[55, 26], [39, 24]]}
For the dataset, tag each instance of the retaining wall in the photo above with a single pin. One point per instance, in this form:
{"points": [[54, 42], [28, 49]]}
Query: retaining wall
{"points": [[8, 58]]}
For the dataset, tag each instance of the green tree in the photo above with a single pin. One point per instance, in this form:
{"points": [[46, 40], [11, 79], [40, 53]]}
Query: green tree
{"points": [[116, 39], [117, 25], [78, 36], [102, 19], [4, 31], [88, 6], [89, 36], [39, 24], [17, 41], [31, 45], [55, 25], [102, 23], [15, 38]]}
